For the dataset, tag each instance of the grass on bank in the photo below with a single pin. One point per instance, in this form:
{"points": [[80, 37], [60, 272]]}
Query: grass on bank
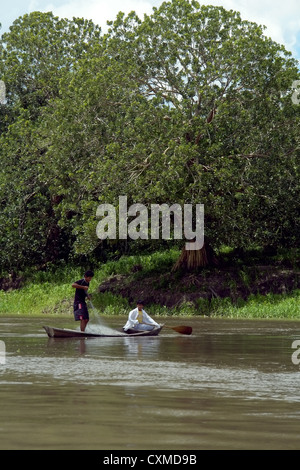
{"points": [[50, 293], [46, 299]]}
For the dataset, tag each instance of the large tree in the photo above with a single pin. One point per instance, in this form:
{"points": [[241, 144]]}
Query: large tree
{"points": [[213, 122], [190, 105]]}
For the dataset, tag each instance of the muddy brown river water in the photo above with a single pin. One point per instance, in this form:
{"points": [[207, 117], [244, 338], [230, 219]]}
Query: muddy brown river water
{"points": [[232, 384]]}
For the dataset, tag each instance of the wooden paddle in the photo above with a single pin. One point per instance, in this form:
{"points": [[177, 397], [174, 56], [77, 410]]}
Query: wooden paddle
{"points": [[184, 330]]}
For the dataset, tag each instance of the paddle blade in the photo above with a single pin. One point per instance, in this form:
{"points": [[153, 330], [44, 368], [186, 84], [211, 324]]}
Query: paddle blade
{"points": [[184, 330]]}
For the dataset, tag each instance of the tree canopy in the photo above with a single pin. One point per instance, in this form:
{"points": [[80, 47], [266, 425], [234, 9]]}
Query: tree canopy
{"points": [[192, 104]]}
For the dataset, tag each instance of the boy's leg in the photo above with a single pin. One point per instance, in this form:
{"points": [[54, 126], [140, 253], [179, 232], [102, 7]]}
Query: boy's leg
{"points": [[83, 323]]}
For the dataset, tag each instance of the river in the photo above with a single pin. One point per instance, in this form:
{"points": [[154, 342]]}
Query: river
{"points": [[232, 384]]}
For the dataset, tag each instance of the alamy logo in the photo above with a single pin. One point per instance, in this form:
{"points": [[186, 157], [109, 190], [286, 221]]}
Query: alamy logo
{"points": [[296, 94], [2, 352], [2, 92], [185, 224], [296, 354]]}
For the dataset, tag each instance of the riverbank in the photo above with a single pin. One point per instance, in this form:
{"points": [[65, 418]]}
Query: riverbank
{"points": [[234, 289]]}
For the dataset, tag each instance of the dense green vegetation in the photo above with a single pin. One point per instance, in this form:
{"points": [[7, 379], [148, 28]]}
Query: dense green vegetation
{"points": [[49, 292], [44, 299], [192, 104]]}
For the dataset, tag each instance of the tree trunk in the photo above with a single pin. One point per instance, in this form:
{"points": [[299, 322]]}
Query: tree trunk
{"points": [[190, 260]]}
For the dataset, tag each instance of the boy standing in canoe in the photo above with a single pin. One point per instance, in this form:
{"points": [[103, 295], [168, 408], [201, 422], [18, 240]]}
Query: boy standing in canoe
{"points": [[81, 312]]}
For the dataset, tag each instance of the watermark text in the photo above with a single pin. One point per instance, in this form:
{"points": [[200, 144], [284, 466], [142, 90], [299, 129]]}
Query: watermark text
{"points": [[2, 92], [296, 93], [2, 352], [187, 222], [296, 354]]}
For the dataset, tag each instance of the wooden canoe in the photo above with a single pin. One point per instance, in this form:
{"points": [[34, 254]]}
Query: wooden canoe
{"points": [[68, 333]]}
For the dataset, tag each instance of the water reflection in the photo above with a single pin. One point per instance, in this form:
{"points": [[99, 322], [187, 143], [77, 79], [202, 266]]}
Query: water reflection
{"points": [[130, 347], [137, 348]]}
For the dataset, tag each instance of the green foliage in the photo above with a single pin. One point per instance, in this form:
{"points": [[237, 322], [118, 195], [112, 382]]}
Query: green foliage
{"points": [[192, 104], [35, 55], [110, 304], [189, 108], [274, 306], [50, 293], [36, 299], [157, 262]]}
